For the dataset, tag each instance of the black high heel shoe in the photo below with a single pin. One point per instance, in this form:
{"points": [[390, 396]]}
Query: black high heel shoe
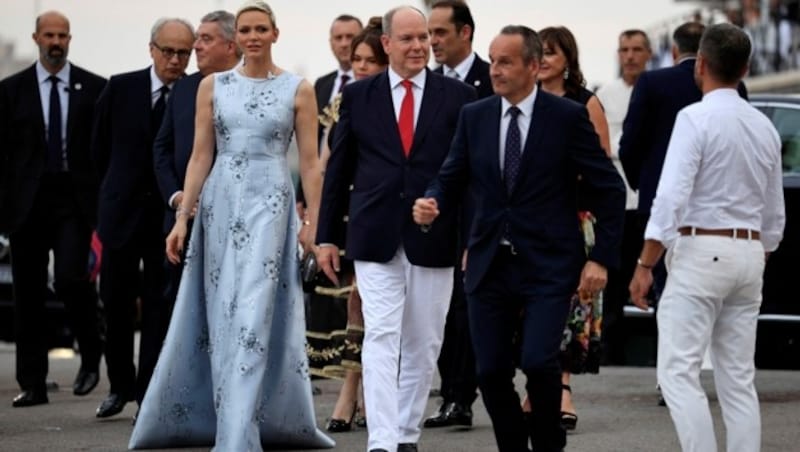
{"points": [[568, 420], [340, 425]]}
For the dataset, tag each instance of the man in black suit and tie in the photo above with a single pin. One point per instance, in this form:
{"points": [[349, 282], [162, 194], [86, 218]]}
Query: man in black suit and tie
{"points": [[656, 99], [452, 28], [343, 29], [48, 202], [393, 134], [519, 153], [215, 50], [130, 213]]}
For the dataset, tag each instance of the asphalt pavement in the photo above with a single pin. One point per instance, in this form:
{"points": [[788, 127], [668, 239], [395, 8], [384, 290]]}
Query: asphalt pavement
{"points": [[617, 412]]}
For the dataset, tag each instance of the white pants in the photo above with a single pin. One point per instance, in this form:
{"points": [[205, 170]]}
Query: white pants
{"points": [[404, 309], [712, 295]]}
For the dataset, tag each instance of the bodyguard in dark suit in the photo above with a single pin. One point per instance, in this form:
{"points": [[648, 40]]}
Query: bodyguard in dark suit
{"points": [[520, 154], [47, 200], [215, 50], [130, 213], [452, 29], [393, 134], [343, 29], [657, 98]]}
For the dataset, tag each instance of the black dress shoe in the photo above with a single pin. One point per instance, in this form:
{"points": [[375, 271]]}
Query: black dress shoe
{"points": [[113, 404], [378, 450], [85, 381], [407, 447], [439, 419], [458, 414], [30, 398]]}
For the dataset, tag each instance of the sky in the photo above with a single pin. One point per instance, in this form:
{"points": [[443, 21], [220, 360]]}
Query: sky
{"points": [[111, 36]]}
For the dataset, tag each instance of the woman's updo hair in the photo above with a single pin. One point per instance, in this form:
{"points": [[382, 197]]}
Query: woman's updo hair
{"points": [[371, 36], [257, 5]]}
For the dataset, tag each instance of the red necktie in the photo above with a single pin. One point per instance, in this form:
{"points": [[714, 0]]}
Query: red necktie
{"points": [[406, 121]]}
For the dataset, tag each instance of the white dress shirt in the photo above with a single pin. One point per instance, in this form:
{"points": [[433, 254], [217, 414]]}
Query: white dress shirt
{"points": [[722, 171], [63, 96], [523, 122], [337, 82], [155, 88], [615, 97], [461, 69], [398, 92]]}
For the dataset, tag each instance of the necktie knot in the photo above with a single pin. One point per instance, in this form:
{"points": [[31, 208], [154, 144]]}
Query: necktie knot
{"points": [[344, 78], [164, 90], [407, 84], [514, 112], [53, 79], [453, 74]]}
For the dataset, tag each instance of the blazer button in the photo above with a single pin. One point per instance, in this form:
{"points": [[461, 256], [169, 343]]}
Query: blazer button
{"points": [[350, 187]]}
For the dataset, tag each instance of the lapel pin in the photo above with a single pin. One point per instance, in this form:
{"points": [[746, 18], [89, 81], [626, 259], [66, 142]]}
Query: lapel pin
{"points": [[77, 86], [477, 83]]}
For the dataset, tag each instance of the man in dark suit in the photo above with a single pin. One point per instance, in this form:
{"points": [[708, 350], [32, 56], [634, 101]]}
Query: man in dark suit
{"points": [[343, 29], [48, 202], [130, 213], [520, 153], [215, 50], [452, 28], [393, 133], [656, 99]]}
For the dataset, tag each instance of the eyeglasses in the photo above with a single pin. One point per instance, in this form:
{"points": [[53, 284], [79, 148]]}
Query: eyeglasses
{"points": [[169, 52]]}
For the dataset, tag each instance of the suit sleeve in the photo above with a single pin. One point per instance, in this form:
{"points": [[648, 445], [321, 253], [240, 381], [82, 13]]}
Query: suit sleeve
{"points": [[604, 190], [338, 174], [101, 131], [5, 159], [631, 144], [164, 155], [449, 185]]}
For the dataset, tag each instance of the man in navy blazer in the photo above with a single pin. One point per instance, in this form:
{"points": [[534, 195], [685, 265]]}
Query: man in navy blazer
{"points": [[393, 134], [130, 213], [452, 29], [656, 99], [48, 202], [520, 153]]}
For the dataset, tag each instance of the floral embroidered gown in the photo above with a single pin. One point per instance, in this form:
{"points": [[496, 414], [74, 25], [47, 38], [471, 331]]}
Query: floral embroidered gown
{"points": [[233, 370]]}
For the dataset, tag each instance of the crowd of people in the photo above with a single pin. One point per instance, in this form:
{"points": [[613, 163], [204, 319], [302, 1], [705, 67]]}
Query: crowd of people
{"points": [[479, 218]]}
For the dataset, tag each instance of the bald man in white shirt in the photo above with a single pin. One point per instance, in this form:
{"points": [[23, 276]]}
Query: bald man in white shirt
{"points": [[719, 212]]}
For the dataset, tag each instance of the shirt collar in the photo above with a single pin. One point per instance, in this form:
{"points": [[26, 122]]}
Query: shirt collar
{"points": [[42, 74], [721, 93], [155, 82], [462, 68], [418, 80], [525, 105], [349, 73]]}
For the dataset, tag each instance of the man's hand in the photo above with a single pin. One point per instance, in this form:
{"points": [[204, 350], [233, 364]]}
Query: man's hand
{"points": [[640, 286], [328, 261], [425, 211], [593, 279]]}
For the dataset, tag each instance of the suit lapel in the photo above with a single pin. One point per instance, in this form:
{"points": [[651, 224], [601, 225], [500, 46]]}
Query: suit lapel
{"points": [[147, 100], [539, 123], [380, 99], [74, 95], [33, 88], [492, 143], [432, 100]]}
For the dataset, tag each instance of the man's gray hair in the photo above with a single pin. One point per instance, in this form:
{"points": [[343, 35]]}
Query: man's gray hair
{"points": [[387, 18], [165, 20], [531, 44], [227, 26]]}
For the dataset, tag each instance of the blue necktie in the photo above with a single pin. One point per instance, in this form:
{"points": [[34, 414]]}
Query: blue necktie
{"points": [[55, 147], [513, 150]]}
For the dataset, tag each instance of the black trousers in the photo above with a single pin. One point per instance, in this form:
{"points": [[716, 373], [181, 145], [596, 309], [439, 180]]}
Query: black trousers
{"points": [[54, 223], [616, 295], [457, 359], [494, 309], [121, 283]]}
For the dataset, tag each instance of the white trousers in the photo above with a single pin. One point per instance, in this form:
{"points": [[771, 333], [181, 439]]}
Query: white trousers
{"points": [[404, 309], [712, 297]]}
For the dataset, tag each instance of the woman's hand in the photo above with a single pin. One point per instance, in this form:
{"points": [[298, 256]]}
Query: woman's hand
{"points": [[175, 241]]}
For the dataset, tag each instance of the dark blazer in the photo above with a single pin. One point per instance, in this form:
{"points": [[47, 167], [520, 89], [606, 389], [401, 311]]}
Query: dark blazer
{"points": [[23, 149], [477, 77], [173, 144], [323, 88], [656, 99], [368, 167], [122, 149], [540, 217]]}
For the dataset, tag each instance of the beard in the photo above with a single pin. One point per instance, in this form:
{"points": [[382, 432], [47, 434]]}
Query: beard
{"points": [[55, 55]]}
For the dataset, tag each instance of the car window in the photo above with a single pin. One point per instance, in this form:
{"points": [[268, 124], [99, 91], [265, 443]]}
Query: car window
{"points": [[787, 121]]}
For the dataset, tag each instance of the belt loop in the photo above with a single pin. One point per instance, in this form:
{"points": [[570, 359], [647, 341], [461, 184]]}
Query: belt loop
{"points": [[735, 233], [749, 234], [693, 230]]}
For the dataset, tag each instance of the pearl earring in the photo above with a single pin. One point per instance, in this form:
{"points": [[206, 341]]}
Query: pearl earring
{"points": [[566, 74]]}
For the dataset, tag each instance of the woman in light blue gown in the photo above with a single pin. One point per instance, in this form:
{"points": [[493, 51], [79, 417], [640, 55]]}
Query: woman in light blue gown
{"points": [[233, 370]]}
